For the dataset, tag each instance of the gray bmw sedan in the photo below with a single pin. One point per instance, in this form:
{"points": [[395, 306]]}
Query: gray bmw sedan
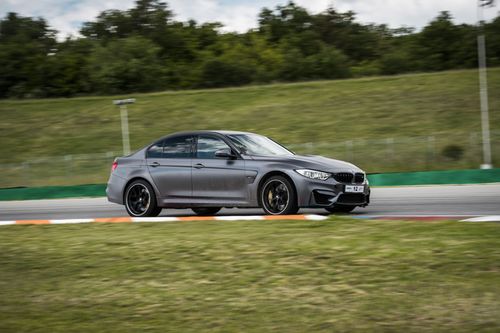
{"points": [[208, 170]]}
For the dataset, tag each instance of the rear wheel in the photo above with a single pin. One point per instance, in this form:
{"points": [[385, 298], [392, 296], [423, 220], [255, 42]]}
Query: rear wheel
{"points": [[340, 209], [278, 196], [206, 211], [140, 200]]}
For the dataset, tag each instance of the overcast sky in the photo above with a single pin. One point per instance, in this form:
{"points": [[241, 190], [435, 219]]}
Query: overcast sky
{"points": [[66, 16]]}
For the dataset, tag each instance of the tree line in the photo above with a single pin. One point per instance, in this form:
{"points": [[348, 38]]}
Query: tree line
{"points": [[145, 49]]}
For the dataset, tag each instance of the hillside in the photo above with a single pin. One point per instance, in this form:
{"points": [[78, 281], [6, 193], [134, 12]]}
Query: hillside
{"points": [[397, 123]]}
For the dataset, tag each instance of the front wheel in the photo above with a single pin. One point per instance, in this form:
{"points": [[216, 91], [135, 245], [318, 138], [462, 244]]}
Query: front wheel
{"points": [[206, 211], [340, 209], [278, 196], [140, 200]]}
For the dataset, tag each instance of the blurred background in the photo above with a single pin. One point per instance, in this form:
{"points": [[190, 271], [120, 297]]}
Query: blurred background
{"points": [[321, 81]]}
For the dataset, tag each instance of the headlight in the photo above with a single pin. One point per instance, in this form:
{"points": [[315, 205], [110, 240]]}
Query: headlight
{"points": [[313, 174]]}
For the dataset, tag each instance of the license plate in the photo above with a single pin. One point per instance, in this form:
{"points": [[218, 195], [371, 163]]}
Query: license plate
{"points": [[354, 189]]}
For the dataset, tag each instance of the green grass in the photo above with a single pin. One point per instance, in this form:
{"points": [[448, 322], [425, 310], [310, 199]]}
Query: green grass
{"points": [[326, 114], [275, 276]]}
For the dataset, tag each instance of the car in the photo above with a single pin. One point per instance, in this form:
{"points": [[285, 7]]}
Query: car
{"points": [[208, 170]]}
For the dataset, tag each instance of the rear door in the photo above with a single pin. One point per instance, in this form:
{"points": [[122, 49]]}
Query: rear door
{"points": [[217, 179], [169, 164]]}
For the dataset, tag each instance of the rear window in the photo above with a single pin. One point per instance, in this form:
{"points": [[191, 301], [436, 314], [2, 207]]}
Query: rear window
{"points": [[156, 150], [178, 147]]}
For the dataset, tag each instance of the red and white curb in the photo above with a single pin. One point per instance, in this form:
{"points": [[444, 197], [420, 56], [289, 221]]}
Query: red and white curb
{"points": [[170, 219]]}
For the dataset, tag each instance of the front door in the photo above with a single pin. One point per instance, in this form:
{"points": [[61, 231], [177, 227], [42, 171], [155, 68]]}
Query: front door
{"points": [[217, 180]]}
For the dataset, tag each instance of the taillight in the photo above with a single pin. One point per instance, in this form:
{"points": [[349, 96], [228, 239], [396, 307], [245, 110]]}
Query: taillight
{"points": [[114, 166]]}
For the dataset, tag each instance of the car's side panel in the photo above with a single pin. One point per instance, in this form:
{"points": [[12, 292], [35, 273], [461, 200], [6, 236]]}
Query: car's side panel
{"points": [[172, 177], [219, 180], [257, 170]]}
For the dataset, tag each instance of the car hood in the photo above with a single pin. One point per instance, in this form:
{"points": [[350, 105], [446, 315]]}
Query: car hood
{"points": [[319, 163]]}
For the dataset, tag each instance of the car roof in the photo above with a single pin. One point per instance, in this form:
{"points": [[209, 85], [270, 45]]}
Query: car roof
{"points": [[198, 132]]}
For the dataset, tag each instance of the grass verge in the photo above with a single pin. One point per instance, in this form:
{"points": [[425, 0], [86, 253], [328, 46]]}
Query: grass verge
{"points": [[287, 276]]}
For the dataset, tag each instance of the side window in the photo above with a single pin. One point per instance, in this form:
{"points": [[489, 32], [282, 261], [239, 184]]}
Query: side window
{"points": [[156, 150], [208, 145], [178, 147]]}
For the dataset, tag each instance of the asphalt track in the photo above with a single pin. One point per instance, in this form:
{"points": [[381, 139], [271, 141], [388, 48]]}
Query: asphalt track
{"points": [[456, 200]]}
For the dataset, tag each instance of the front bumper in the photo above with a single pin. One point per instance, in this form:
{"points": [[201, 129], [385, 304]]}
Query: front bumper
{"points": [[321, 198], [312, 193]]}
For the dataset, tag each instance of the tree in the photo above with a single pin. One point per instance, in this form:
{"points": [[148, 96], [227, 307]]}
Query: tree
{"points": [[229, 64], [127, 65], [66, 71], [145, 49], [149, 18], [285, 20], [439, 42], [329, 63], [359, 42], [493, 41], [25, 44]]}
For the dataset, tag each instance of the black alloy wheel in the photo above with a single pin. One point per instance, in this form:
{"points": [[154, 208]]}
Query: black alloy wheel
{"points": [[140, 200], [278, 196]]}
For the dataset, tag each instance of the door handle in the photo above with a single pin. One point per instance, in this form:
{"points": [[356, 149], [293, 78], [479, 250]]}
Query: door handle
{"points": [[198, 166], [154, 164]]}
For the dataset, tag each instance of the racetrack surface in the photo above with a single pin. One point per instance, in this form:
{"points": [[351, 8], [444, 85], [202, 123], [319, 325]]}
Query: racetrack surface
{"points": [[456, 200]]}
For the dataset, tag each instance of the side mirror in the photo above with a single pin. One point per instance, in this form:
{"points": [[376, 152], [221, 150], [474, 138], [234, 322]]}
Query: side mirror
{"points": [[225, 153]]}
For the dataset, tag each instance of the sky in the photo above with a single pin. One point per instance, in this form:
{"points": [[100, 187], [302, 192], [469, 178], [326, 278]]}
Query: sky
{"points": [[67, 16]]}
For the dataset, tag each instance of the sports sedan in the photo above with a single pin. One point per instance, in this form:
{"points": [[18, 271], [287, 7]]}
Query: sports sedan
{"points": [[208, 170]]}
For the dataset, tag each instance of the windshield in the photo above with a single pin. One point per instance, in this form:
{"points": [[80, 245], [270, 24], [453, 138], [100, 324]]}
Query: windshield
{"points": [[253, 144]]}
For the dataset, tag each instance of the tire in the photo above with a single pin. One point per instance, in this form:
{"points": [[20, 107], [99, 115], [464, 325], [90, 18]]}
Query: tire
{"points": [[140, 200], [340, 209], [278, 197], [206, 211]]}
